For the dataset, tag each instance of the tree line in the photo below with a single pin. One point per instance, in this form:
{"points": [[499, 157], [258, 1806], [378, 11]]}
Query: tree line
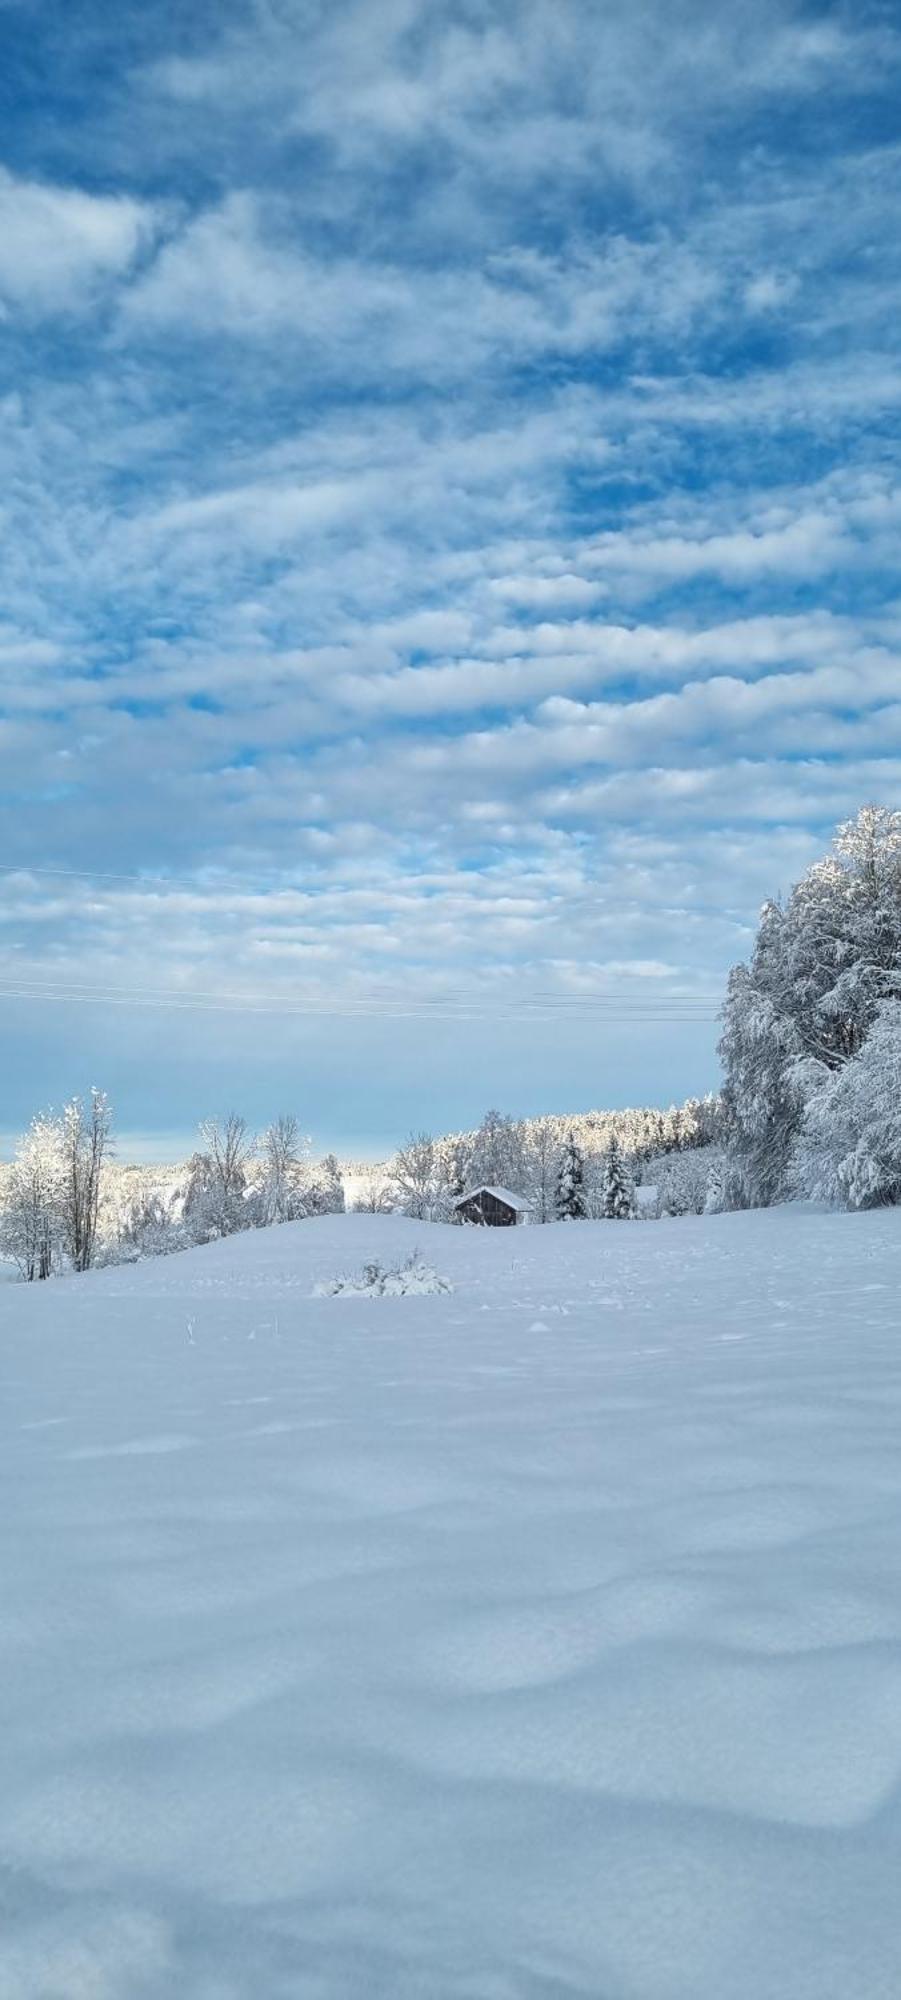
{"points": [[566, 1168], [60, 1212], [63, 1209]]}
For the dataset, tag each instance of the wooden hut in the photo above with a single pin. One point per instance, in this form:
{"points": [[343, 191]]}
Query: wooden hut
{"points": [[492, 1207]]}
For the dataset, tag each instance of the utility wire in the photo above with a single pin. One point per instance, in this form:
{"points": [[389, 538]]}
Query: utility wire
{"points": [[383, 1009], [628, 1000]]}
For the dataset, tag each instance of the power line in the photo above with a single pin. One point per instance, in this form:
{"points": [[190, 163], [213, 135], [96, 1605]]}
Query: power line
{"points": [[120, 875], [378, 996], [626, 1000], [385, 1007]]}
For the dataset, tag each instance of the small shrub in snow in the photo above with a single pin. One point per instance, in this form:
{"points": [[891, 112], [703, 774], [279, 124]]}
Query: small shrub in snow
{"points": [[374, 1282]]}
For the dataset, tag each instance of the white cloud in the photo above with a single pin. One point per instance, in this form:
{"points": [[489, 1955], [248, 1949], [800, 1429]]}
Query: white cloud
{"points": [[240, 271], [59, 244], [466, 514]]}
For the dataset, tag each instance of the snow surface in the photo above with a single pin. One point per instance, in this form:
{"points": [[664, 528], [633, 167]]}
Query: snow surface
{"points": [[538, 1640]]}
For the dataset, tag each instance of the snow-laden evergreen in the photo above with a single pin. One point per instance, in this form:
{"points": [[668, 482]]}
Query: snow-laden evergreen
{"points": [[570, 1203], [617, 1191]]}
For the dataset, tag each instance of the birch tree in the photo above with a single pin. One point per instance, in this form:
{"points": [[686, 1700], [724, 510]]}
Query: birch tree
{"points": [[31, 1227], [283, 1155], [85, 1141]]}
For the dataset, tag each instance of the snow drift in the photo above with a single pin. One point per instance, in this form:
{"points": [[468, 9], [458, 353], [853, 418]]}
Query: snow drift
{"points": [[538, 1639]]}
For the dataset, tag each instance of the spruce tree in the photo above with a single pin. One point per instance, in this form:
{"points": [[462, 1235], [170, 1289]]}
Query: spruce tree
{"points": [[570, 1204], [617, 1194]]}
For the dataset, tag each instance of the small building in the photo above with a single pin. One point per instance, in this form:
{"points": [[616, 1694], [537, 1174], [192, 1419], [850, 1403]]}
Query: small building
{"points": [[492, 1207]]}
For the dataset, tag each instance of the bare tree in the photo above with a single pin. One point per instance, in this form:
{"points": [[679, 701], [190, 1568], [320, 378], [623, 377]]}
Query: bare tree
{"points": [[283, 1154], [230, 1147], [326, 1192], [214, 1203], [376, 1198], [415, 1171], [85, 1143], [542, 1164]]}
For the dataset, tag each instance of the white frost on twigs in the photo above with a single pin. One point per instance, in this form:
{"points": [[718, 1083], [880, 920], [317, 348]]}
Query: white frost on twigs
{"points": [[374, 1282]]}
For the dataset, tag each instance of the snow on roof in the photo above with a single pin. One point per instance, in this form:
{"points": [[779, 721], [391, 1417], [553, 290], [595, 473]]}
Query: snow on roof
{"points": [[506, 1195]]}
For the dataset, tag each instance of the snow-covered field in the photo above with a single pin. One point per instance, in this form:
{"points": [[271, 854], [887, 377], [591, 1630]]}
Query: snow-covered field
{"points": [[540, 1639]]}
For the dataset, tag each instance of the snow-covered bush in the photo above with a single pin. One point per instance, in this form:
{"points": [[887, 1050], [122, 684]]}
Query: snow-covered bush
{"points": [[325, 1195], [375, 1282], [694, 1183], [149, 1227], [378, 1197]]}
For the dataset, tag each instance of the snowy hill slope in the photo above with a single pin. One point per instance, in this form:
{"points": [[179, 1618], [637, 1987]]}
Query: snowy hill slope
{"points": [[538, 1640]]}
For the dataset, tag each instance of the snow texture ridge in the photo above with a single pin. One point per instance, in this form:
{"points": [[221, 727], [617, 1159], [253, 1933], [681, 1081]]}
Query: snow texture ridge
{"points": [[537, 1639]]}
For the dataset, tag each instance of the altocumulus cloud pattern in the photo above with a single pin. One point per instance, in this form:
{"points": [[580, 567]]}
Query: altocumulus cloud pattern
{"points": [[450, 517]]}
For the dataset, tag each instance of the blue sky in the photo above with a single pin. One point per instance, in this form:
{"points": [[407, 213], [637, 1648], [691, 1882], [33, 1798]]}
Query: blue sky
{"points": [[451, 515]]}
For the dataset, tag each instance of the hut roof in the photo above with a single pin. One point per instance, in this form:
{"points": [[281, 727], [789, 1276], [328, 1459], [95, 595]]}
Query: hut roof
{"points": [[506, 1195]]}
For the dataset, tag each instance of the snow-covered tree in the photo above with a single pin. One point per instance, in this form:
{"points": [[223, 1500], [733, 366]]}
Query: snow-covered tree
{"points": [[455, 1156], [281, 1191], [570, 1204], [85, 1139], [217, 1180], [376, 1197], [542, 1164], [326, 1195], [617, 1193], [849, 1148], [715, 1188], [416, 1170], [823, 964], [31, 1225], [498, 1153]]}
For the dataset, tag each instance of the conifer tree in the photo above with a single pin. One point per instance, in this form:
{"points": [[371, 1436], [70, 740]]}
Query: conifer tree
{"points": [[570, 1204], [617, 1193]]}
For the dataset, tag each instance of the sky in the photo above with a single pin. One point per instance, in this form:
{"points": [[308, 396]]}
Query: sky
{"points": [[450, 517]]}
